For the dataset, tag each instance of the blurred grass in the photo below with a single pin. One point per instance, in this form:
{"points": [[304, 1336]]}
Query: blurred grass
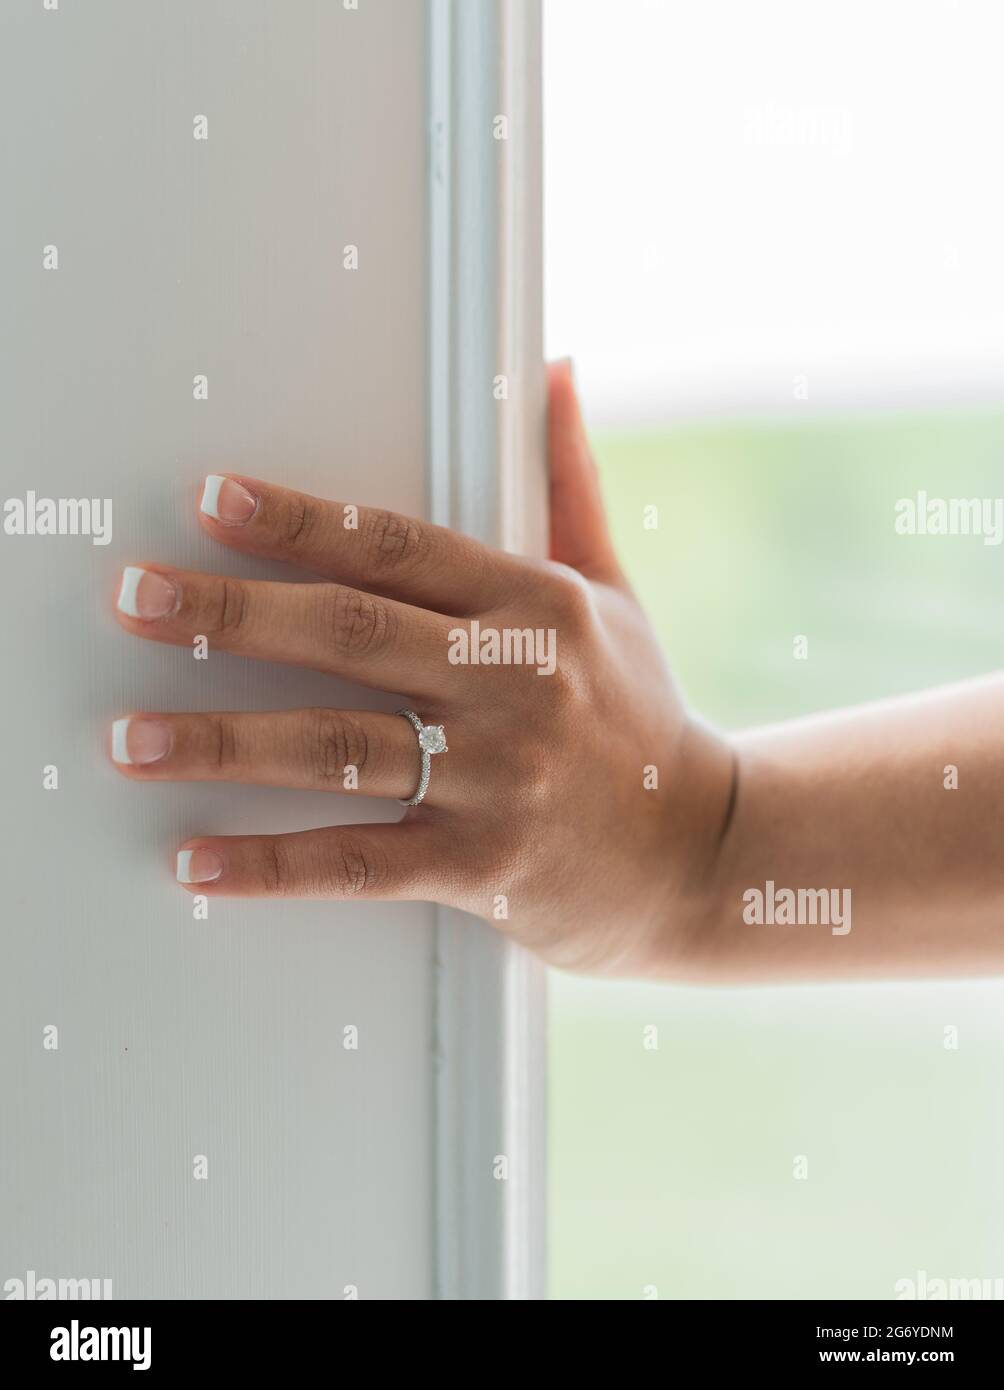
{"points": [[673, 1168]]}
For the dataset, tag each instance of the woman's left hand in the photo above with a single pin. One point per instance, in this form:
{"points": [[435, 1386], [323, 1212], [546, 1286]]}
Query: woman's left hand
{"points": [[577, 805]]}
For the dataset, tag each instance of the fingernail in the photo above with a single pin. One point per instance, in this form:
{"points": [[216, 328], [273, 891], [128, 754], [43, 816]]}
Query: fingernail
{"points": [[138, 741], [227, 501], [198, 865], [146, 595]]}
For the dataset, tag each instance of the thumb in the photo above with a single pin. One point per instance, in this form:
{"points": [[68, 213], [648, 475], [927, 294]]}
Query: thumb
{"points": [[579, 534]]}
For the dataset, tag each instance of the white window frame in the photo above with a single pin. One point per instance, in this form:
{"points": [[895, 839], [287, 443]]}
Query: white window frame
{"points": [[488, 478]]}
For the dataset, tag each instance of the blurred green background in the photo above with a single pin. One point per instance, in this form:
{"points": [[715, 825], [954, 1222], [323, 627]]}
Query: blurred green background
{"points": [[671, 1171]]}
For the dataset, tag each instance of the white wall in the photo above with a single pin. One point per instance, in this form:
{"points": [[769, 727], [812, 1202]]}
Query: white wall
{"points": [[179, 1038]]}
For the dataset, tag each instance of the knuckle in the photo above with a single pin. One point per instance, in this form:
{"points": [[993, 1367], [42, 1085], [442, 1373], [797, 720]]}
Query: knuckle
{"points": [[561, 698], [353, 868], [571, 599], [564, 691], [224, 742], [396, 541], [336, 742], [360, 624], [528, 772], [227, 608], [536, 786], [503, 870], [300, 523], [274, 867]]}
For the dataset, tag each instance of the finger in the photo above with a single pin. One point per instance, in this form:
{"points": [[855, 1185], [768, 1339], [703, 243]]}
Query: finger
{"points": [[359, 751], [579, 533], [372, 641], [380, 551], [352, 861]]}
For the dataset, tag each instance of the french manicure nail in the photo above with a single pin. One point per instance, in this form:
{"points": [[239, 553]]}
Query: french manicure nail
{"points": [[199, 865], [145, 594], [227, 501], [139, 741]]}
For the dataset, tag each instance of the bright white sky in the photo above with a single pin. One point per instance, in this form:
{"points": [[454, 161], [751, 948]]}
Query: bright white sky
{"points": [[741, 193]]}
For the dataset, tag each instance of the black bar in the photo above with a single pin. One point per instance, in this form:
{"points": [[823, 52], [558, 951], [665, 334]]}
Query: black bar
{"points": [[265, 1338]]}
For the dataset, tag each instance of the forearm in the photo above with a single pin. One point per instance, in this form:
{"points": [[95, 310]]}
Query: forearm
{"points": [[867, 843]]}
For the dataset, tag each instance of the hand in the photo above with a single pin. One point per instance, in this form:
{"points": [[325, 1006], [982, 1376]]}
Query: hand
{"points": [[577, 807]]}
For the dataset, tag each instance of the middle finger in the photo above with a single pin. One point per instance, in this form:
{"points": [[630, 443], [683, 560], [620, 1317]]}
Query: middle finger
{"points": [[372, 641]]}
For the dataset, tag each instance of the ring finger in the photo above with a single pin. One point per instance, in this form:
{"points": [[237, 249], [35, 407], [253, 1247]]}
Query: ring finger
{"points": [[359, 751]]}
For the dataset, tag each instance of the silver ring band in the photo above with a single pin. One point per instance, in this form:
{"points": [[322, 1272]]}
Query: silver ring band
{"points": [[431, 739]]}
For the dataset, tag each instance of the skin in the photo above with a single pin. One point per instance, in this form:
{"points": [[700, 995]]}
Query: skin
{"points": [[546, 794]]}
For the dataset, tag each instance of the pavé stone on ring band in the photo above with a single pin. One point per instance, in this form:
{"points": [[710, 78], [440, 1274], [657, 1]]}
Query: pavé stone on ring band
{"points": [[431, 739]]}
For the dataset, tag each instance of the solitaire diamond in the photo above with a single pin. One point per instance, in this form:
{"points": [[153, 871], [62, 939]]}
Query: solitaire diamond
{"points": [[432, 739]]}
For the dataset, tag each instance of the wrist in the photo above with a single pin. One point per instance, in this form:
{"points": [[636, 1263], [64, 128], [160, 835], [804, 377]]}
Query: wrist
{"points": [[701, 825]]}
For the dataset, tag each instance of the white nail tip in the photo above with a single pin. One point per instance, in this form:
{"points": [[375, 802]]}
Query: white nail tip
{"points": [[185, 865], [209, 506], [120, 751], [131, 577]]}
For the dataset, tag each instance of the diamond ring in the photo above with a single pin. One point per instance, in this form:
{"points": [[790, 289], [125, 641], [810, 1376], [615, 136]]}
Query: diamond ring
{"points": [[431, 739]]}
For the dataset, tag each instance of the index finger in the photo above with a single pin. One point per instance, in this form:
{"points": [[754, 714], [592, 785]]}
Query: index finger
{"points": [[369, 548]]}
